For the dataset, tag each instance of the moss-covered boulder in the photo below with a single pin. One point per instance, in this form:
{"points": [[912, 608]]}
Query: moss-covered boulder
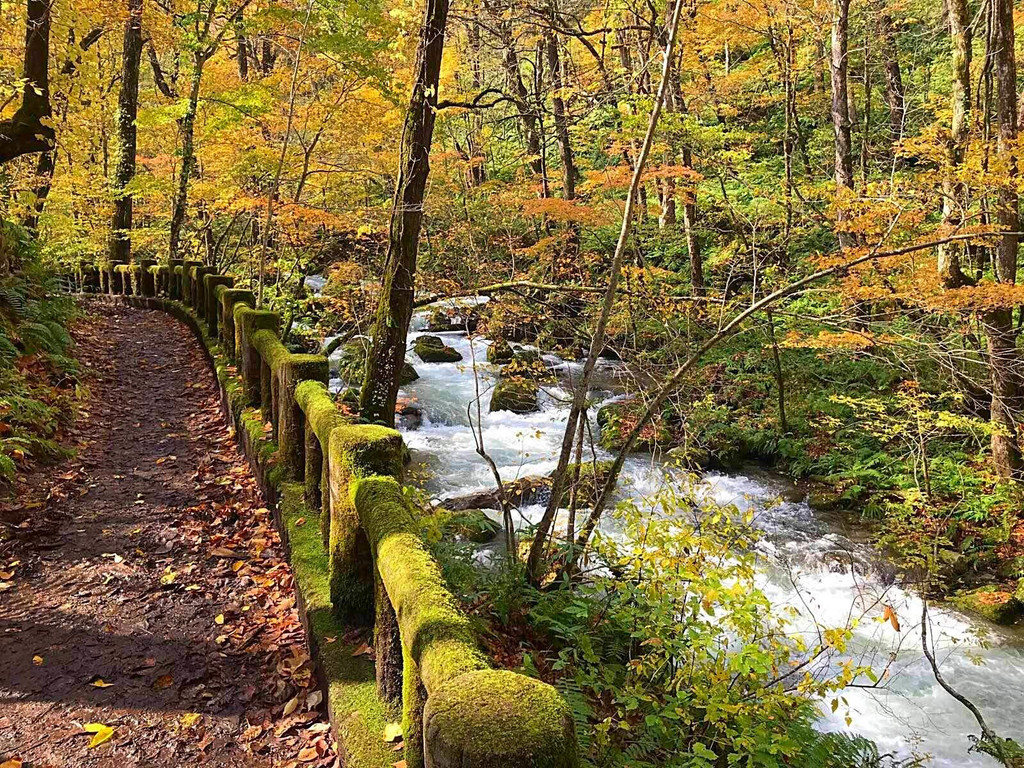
{"points": [[526, 366], [352, 363], [472, 525], [517, 395], [592, 477], [997, 604], [432, 349], [500, 352]]}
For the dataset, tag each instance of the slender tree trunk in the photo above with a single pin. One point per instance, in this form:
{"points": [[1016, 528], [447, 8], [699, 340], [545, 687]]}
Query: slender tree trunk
{"points": [[127, 111], [841, 107], [579, 399], [954, 200], [561, 123], [188, 155], [242, 55], [895, 95], [387, 352], [1002, 342]]}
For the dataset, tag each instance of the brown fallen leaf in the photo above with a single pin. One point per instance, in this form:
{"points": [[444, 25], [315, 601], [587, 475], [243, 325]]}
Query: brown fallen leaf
{"points": [[291, 706], [399, 764], [308, 754]]}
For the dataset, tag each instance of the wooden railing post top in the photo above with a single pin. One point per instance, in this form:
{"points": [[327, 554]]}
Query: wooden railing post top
{"points": [[498, 719], [252, 320]]}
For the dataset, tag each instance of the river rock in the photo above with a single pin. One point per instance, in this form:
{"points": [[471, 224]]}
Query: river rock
{"points": [[517, 395], [995, 603], [432, 349], [471, 524], [353, 363], [500, 352]]}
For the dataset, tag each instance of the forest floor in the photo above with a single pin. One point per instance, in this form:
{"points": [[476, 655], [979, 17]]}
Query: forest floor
{"points": [[147, 612]]}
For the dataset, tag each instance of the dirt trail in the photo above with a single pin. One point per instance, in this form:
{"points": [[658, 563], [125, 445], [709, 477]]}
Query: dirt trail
{"points": [[154, 568]]}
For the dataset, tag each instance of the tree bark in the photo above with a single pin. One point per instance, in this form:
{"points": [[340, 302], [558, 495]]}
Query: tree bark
{"points": [[127, 112], [1002, 343], [841, 106], [895, 94], [188, 154], [954, 200], [29, 130], [558, 110], [387, 352]]}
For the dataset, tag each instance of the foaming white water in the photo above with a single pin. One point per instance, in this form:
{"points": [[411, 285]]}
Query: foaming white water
{"points": [[809, 562]]}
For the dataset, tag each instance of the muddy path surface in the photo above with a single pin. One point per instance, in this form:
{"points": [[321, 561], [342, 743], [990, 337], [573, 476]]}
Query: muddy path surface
{"points": [[145, 589]]}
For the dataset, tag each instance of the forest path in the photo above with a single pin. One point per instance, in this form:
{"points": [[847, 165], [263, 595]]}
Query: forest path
{"points": [[153, 566]]}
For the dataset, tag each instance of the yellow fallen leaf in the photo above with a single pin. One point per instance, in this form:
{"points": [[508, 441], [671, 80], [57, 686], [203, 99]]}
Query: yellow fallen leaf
{"points": [[399, 764], [168, 578], [190, 718], [101, 733], [219, 618], [6, 576], [37, 660], [392, 732], [14, 762], [291, 706], [99, 682], [308, 754]]}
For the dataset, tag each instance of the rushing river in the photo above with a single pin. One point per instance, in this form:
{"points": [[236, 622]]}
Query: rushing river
{"points": [[807, 563]]}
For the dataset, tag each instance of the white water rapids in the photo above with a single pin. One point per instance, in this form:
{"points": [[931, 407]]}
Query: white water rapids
{"points": [[909, 715]]}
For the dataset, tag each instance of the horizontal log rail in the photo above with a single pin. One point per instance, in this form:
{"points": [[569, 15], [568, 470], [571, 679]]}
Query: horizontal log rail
{"points": [[456, 710]]}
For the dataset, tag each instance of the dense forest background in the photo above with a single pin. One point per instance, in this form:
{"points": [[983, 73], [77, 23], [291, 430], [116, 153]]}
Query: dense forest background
{"points": [[798, 230]]}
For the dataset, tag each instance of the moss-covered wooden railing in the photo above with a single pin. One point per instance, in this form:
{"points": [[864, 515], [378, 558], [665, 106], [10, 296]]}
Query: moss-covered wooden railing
{"points": [[455, 709]]}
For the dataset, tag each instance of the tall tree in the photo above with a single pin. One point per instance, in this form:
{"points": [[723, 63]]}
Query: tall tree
{"points": [[841, 123], [127, 112], [29, 129], [391, 326], [1002, 339], [206, 43], [954, 198]]}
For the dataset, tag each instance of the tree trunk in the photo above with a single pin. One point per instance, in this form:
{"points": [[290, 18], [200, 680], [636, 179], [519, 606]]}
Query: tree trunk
{"points": [[841, 107], [41, 190], [1002, 346], [895, 95], [579, 396], [242, 56], [954, 199], [28, 130], [127, 111], [387, 352], [188, 125], [561, 124]]}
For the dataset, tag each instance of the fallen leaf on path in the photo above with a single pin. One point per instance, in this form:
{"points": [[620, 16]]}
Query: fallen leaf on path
{"points": [[223, 552], [313, 700], [14, 762], [308, 754], [219, 618], [101, 733], [99, 682], [291, 706], [362, 650], [37, 660], [190, 718], [399, 764]]}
